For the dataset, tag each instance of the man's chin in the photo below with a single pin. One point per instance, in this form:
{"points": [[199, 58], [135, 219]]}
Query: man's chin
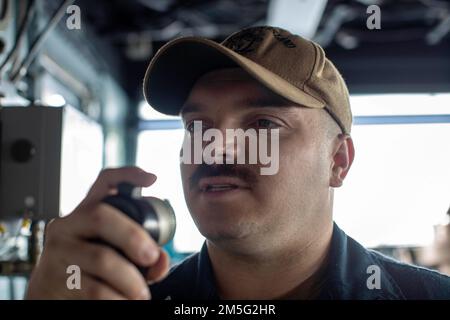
{"points": [[228, 233]]}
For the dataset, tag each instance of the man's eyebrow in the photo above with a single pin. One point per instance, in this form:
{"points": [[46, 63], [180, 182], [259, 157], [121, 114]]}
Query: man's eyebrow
{"points": [[253, 102]]}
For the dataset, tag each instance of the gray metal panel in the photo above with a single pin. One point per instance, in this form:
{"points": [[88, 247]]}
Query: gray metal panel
{"points": [[38, 178]]}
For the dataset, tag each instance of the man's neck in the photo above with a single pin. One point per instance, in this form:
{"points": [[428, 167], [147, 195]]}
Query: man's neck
{"points": [[292, 273]]}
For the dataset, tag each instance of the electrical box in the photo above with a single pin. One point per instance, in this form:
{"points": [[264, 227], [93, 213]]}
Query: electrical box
{"points": [[30, 161], [50, 156]]}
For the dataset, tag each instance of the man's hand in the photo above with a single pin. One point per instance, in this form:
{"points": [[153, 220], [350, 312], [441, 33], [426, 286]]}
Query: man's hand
{"points": [[105, 273]]}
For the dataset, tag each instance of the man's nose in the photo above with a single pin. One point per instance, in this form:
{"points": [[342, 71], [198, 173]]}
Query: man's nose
{"points": [[227, 151], [231, 148]]}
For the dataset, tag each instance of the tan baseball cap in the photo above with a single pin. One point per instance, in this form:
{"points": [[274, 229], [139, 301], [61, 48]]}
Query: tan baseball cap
{"points": [[287, 64]]}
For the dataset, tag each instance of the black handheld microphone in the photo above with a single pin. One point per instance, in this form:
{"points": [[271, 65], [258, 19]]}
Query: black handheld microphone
{"points": [[156, 216]]}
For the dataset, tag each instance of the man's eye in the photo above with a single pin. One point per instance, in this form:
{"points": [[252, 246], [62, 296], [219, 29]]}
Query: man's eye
{"points": [[190, 126], [265, 124], [197, 124]]}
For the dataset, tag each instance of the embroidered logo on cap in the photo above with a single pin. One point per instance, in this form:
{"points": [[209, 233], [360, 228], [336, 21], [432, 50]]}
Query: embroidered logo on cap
{"points": [[247, 40]]}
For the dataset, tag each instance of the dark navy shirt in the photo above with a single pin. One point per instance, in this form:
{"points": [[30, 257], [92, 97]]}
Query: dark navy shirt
{"points": [[347, 276]]}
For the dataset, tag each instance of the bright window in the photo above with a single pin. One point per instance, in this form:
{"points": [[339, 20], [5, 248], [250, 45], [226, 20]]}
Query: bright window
{"points": [[81, 157], [398, 186], [158, 152]]}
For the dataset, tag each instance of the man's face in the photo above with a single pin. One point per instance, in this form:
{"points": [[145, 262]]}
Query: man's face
{"points": [[281, 207]]}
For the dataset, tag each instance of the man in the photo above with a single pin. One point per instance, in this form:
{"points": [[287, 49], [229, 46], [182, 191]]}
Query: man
{"points": [[268, 236]]}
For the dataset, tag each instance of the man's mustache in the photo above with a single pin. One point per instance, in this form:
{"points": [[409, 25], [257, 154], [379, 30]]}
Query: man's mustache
{"points": [[228, 170]]}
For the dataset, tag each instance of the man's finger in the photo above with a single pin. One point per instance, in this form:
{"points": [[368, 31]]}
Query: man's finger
{"points": [[106, 264], [106, 223], [108, 179], [159, 270], [93, 289]]}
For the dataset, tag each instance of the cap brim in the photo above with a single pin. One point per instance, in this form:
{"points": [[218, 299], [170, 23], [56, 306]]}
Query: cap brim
{"points": [[179, 64]]}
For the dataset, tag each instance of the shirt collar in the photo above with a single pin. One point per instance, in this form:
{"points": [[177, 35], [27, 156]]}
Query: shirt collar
{"points": [[205, 282], [347, 273]]}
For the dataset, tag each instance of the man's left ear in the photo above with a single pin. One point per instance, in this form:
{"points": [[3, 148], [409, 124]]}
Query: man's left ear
{"points": [[343, 155]]}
